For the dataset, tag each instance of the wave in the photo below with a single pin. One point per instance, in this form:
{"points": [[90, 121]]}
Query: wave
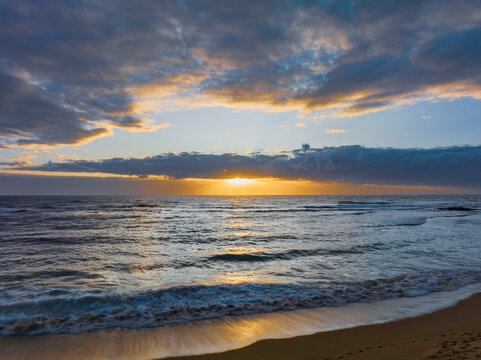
{"points": [[412, 222], [295, 253], [89, 310], [456, 208], [405, 221], [350, 202], [36, 275], [319, 207], [307, 208], [11, 210], [288, 210]]}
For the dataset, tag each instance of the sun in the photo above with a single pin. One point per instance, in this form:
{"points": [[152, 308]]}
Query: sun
{"points": [[240, 181]]}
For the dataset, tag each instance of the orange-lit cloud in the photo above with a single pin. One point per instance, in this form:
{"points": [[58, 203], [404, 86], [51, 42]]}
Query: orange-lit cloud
{"points": [[22, 160], [335, 131], [449, 166], [89, 136], [98, 183], [81, 174], [272, 186], [184, 56], [140, 125]]}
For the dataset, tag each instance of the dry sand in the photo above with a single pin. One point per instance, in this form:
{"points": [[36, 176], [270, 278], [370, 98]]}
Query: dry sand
{"points": [[451, 333]]}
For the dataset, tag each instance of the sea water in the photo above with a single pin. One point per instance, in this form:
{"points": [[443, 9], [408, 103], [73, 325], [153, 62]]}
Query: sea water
{"points": [[72, 264]]}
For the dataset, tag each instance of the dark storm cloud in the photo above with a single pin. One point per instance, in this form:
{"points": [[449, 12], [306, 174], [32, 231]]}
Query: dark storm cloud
{"points": [[451, 166], [457, 51], [29, 113], [81, 65], [71, 62]]}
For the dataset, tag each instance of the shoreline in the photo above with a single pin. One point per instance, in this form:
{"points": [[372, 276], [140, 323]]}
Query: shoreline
{"points": [[450, 333], [260, 336]]}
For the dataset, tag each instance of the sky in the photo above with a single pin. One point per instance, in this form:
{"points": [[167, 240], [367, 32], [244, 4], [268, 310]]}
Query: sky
{"points": [[180, 97]]}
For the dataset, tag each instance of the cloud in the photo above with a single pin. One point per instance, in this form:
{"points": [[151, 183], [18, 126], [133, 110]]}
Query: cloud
{"points": [[450, 166], [66, 184], [71, 71], [19, 161], [426, 117], [335, 131], [301, 125], [29, 115]]}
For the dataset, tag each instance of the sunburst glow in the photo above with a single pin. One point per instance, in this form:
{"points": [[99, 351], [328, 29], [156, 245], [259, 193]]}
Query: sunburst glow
{"points": [[240, 181]]}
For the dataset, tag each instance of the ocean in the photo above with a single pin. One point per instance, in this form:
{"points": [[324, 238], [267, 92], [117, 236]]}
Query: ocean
{"points": [[73, 264]]}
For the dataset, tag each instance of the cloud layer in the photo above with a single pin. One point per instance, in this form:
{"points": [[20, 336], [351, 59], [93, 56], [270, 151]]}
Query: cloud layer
{"points": [[451, 166], [71, 71]]}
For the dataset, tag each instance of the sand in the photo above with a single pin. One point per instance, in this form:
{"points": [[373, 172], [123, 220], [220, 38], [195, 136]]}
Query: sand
{"points": [[451, 333]]}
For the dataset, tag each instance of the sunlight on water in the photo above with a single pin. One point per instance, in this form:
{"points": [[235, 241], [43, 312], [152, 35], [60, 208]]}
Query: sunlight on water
{"points": [[233, 278], [238, 250]]}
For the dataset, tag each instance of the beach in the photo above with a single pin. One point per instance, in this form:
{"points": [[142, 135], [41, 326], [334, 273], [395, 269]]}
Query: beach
{"points": [[451, 333], [240, 180]]}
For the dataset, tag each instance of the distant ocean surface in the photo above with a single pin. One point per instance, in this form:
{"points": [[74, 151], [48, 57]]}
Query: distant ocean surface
{"points": [[71, 264]]}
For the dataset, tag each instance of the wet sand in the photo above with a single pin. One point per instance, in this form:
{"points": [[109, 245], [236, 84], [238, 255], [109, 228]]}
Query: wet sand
{"points": [[450, 333]]}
